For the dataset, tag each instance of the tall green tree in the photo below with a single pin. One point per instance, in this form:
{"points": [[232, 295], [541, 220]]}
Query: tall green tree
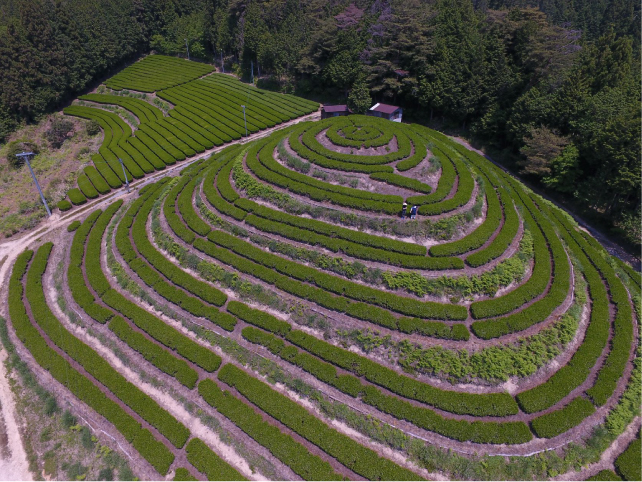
{"points": [[359, 100]]}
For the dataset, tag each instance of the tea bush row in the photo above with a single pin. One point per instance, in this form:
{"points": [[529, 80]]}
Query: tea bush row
{"points": [[154, 451]]}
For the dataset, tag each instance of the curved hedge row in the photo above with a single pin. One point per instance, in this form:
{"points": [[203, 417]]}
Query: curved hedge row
{"points": [[540, 276], [202, 291], [479, 236], [369, 313], [334, 284], [628, 464], [154, 451], [270, 171], [504, 238], [282, 446], [401, 181], [575, 372], [304, 152], [356, 457], [359, 132], [308, 139], [560, 421], [478, 432], [156, 72], [92, 362], [153, 326]]}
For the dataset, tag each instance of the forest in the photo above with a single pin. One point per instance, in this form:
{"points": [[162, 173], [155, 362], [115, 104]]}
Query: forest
{"points": [[551, 88]]}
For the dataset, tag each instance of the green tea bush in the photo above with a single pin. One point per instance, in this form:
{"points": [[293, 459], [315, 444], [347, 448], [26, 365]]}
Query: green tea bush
{"points": [[95, 365], [559, 421], [628, 463], [76, 197], [207, 462], [73, 226], [282, 446], [64, 205], [356, 457]]}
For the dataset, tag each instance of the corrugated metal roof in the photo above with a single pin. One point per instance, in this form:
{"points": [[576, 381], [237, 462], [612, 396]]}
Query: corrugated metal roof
{"points": [[335, 108], [384, 108]]}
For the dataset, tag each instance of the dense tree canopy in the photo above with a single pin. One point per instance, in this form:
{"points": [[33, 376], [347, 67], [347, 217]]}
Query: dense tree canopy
{"points": [[554, 85]]}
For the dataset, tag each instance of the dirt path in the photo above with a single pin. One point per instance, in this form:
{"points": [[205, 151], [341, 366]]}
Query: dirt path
{"points": [[13, 460], [608, 456]]}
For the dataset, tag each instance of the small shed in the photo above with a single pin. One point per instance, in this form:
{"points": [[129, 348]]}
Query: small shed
{"points": [[386, 111], [334, 111]]}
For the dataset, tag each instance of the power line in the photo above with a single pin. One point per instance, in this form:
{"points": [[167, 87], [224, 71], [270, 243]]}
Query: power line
{"points": [[26, 156], [245, 119], [124, 172]]}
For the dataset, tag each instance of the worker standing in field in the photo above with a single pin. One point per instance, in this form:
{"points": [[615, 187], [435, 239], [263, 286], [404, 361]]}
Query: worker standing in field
{"points": [[404, 206], [413, 212]]}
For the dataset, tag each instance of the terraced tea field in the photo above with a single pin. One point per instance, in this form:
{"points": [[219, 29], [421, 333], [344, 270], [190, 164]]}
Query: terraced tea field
{"points": [[205, 113], [267, 313]]}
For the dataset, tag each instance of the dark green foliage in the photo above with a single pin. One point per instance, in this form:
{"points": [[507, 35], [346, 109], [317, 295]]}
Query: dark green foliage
{"points": [[605, 475], [68, 420], [85, 438], [59, 131], [563, 419], [76, 197], [628, 463], [64, 205], [282, 446], [155, 452], [51, 406], [16, 147], [73, 226], [206, 461], [106, 474], [356, 457], [183, 474], [92, 127]]}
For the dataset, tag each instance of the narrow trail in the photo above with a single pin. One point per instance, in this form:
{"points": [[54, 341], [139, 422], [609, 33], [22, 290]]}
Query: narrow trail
{"points": [[14, 466]]}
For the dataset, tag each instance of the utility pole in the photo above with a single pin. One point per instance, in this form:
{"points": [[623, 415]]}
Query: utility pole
{"points": [[26, 156], [124, 172], [187, 47], [252, 69], [244, 120], [222, 64], [258, 67]]}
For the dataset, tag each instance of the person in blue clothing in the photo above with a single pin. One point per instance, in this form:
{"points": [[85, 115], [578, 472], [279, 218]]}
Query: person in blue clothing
{"points": [[413, 212]]}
